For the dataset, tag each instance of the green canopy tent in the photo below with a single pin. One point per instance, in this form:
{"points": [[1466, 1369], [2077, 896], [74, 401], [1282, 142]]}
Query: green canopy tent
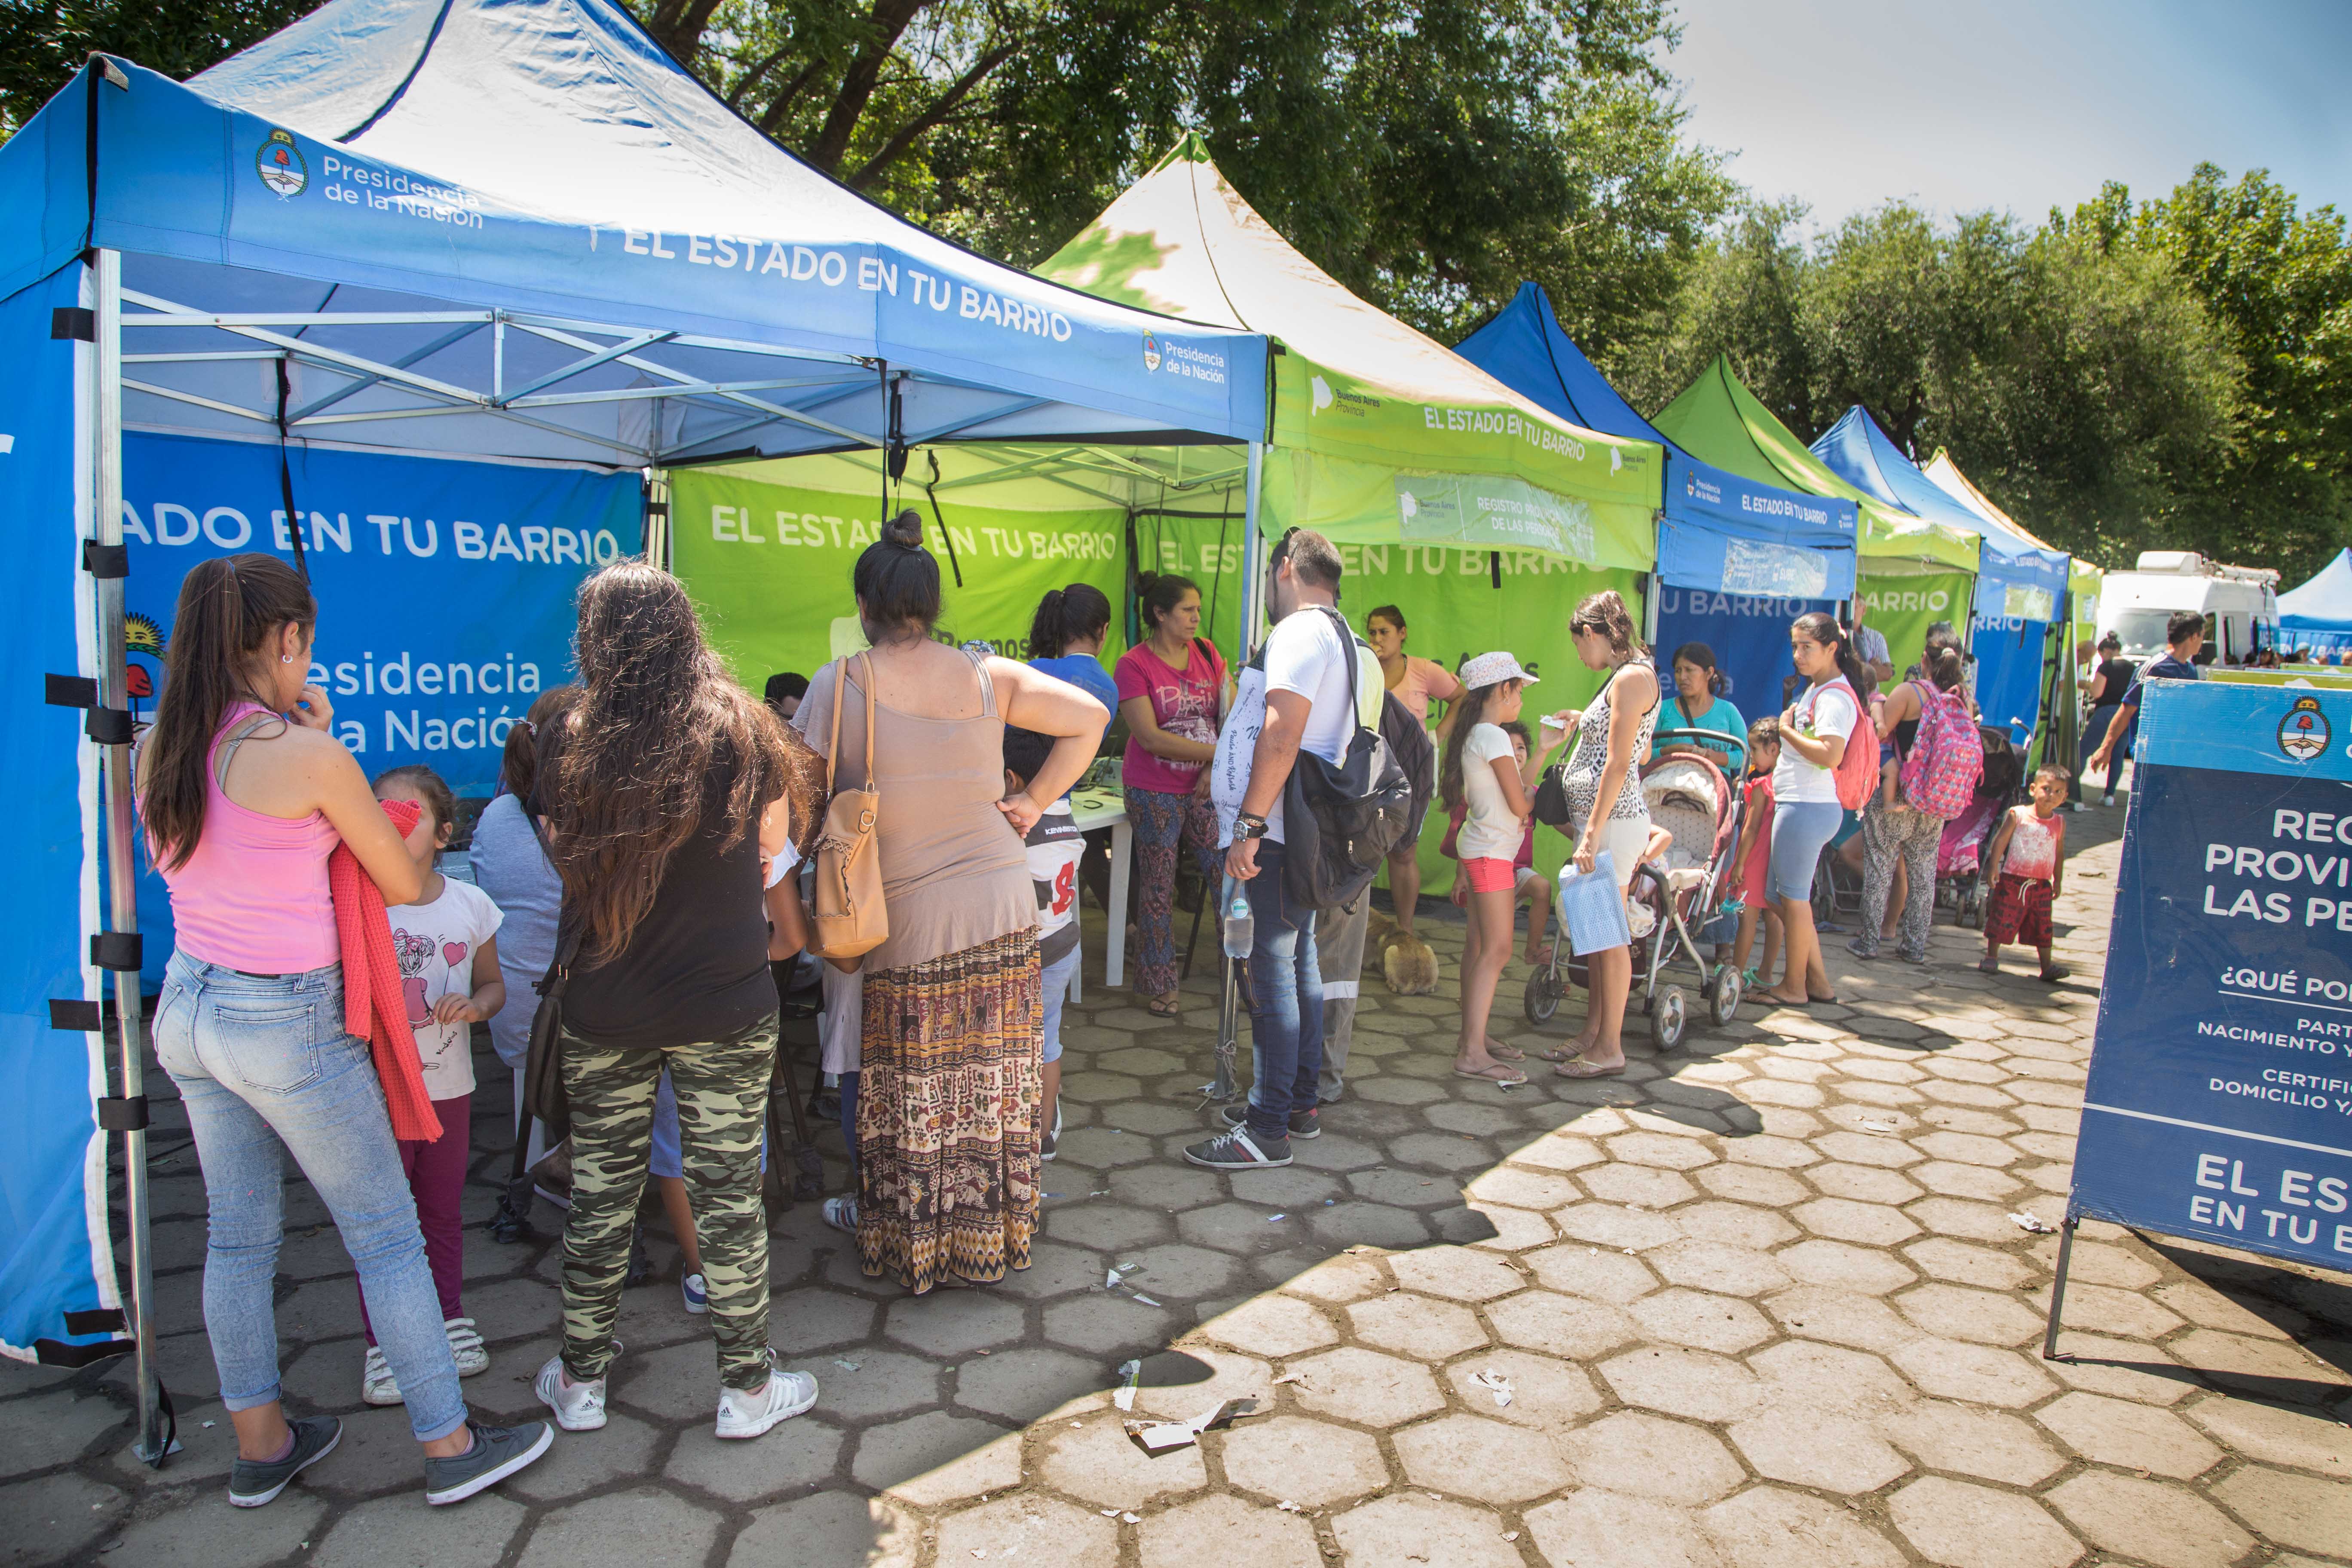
{"points": [[1913, 571]]}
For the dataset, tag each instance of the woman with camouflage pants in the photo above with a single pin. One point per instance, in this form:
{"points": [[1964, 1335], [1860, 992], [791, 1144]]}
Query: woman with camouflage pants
{"points": [[662, 787]]}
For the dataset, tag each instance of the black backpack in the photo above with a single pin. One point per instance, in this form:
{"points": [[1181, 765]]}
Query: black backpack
{"points": [[1341, 819]]}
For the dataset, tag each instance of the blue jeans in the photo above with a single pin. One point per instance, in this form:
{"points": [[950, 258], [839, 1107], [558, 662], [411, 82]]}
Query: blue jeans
{"points": [[264, 1059], [1285, 1002]]}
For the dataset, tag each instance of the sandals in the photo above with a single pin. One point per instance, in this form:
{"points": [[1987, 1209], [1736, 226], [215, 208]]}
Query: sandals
{"points": [[1577, 1066], [1163, 1007], [1988, 966], [1501, 1073], [2056, 972], [1503, 1053]]}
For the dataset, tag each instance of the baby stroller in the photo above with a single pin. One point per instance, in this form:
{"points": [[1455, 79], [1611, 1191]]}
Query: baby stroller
{"points": [[1961, 878], [1689, 797]]}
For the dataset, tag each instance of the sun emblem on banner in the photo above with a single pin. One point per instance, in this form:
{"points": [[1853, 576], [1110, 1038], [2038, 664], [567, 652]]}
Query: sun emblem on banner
{"points": [[141, 635], [280, 165], [2302, 734], [1150, 352]]}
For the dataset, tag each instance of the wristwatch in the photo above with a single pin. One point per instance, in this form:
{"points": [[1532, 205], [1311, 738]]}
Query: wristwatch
{"points": [[1248, 826]]}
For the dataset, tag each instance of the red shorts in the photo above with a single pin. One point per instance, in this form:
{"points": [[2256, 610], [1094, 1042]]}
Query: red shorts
{"points": [[2018, 910], [1488, 875]]}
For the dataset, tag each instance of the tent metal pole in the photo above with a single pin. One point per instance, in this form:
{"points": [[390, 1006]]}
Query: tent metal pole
{"points": [[1251, 606], [1229, 990], [123, 874]]}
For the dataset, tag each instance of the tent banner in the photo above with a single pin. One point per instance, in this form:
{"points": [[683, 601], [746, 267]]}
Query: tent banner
{"points": [[2008, 656], [445, 591], [56, 1263], [1749, 636], [769, 567], [2218, 1105], [1374, 503], [1903, 607]]}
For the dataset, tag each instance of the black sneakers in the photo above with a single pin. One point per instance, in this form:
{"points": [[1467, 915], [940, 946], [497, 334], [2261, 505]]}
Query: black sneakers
{"points": [[253, 1482], [1306, 1123], [1240, 1150]]}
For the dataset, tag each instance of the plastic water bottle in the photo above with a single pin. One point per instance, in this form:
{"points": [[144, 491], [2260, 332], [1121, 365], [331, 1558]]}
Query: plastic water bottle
{"points": [[1241, 925]]}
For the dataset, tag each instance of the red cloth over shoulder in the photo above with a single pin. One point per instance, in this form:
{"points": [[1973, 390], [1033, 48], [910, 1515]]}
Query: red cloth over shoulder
{"points": [[373, 1006]]}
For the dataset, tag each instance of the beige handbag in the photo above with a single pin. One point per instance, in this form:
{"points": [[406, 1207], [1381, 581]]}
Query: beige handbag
{"points": [[850, 921]]}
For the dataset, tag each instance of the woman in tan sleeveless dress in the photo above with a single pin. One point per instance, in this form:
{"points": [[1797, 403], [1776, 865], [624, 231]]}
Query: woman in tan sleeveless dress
{"points": [[952, 1083]]}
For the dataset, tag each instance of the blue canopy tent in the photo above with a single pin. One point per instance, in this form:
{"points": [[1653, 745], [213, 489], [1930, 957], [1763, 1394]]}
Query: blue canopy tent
{"points": [[512, 229], [2317, 614], [2020, 585], [1740, 560]]}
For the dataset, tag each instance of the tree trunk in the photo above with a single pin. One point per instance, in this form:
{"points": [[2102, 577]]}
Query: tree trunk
{"points": [[677, 25], [887, 20]]}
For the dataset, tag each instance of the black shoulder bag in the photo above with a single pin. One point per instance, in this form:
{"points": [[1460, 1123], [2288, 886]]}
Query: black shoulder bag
{"points": [[1341, 819], [543, 1074]]}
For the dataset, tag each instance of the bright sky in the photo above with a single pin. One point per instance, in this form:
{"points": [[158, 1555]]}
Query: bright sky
{"points": [[2019, 104]]}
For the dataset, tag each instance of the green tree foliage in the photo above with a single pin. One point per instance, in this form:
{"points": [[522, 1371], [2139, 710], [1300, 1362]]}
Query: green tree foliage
{"points": [[1429, 153], [44, 42]]}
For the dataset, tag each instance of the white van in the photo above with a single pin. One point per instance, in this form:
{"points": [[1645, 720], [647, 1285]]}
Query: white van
{"points": [[2239, 604]]}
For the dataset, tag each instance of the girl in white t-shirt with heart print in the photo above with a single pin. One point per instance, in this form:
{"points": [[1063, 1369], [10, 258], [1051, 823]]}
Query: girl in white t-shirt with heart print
{"points": [[446, 946], [1481, 776]]}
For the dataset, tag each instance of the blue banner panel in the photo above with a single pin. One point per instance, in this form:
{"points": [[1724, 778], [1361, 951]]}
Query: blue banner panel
{"points": [[1749, 636], [2010, 654], [2219, 1099], [55, 1257], [444, 589]]}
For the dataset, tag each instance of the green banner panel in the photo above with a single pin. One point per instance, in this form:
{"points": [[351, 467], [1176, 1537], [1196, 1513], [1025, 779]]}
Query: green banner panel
{"points": [[1902, 608]]}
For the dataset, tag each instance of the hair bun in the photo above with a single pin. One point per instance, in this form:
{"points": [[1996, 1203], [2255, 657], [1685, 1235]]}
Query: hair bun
{"points": [[1145, 582], [905, 531]]}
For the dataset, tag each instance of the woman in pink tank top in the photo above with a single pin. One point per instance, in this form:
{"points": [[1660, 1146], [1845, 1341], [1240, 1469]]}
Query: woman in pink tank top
{"points": [[244, 792]]}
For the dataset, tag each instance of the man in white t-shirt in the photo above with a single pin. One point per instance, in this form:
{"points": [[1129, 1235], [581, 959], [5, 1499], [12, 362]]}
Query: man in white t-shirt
{"points": [[1294, 695]]}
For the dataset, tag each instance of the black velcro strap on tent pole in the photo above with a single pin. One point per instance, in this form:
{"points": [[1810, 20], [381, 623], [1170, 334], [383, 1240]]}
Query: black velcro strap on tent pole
{"points": [[108, 726], [953, 564], [57, 1353], [71, 323], [69, 692], [105, 562], [121, 950], [1495, 566], [97, 1320], [117, 1114], [74, 1016], [286, 477]]}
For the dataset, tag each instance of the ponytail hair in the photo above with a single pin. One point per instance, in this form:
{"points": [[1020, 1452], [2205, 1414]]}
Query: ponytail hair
{"points": [[519, 764], [1942, 665], [229, 607], [1821, 628], [1065, 616], [1606, 614]]}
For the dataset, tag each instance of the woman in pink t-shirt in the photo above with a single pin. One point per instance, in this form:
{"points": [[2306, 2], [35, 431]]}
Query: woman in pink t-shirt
{"points": [[1415, 682], [1171, 690]]}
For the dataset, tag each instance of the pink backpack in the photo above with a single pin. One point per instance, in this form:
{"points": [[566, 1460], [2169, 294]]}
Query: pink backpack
{"points": [[1946, 761]]}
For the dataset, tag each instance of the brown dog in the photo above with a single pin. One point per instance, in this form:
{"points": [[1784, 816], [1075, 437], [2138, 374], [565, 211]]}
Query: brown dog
{"points": [[1407, 963]]}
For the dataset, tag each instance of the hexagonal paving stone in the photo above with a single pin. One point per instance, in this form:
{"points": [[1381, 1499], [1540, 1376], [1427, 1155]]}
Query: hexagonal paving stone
{"points": [[1750, 1183], [1482, 1460], [2267, 1368], [1986, 1221], [1028, 1530], [1829, 1378], [1864, 1183], [1596, 1529], [1863, 1149], [1556, 1152], [1807, 1449], [1054, 1269], [1220, 1528], [1720, 1266], [1840, 1317], [1547, 1394], [1105, 1323], [1412, 1531], [1299, 1459], [933, 1458], [1842, 1219], [1417, 1325], [1639, 1186], [1583, 1268], [1106, 1226], [1027, 1383], [1272, 1326], [2167, 1525], [2124, 1368], [1957, 1312], [1770, 1527], [952, 1324], [1177, 1270], [1956, 1181], [1561, 1325], [1366, 1387], [2129, 1436], [1734, 1225], [644, 1525], [1834, 1263], [1177, 1385], [1695, 1383], [883, 1384], [1614, 1225], [1098, 1462], [1941, 1257], [2292, 1510], [1228, 1226], [829, 1526], [1659, 1149], [1338, 1280], [1966, 1526], [1706, 1322], [801, 1452], [1967, 1441], [1966, 1149], [1455, 1273], [2276, 1435]]}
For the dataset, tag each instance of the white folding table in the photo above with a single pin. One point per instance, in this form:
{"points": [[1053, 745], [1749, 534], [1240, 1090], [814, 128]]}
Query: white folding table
{"points": [[1092, 809]]}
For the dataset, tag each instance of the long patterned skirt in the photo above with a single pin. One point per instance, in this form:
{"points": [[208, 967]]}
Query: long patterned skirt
{"points": [[948, 1100]]}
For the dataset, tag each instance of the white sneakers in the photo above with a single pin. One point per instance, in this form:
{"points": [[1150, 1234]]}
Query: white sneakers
{"points": [[466, 1347], [578, 1406], [742, 1415], [378, 1386]]}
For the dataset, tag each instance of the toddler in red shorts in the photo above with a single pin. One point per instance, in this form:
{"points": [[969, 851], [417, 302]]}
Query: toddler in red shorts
{"points": [[2030, 851]]}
